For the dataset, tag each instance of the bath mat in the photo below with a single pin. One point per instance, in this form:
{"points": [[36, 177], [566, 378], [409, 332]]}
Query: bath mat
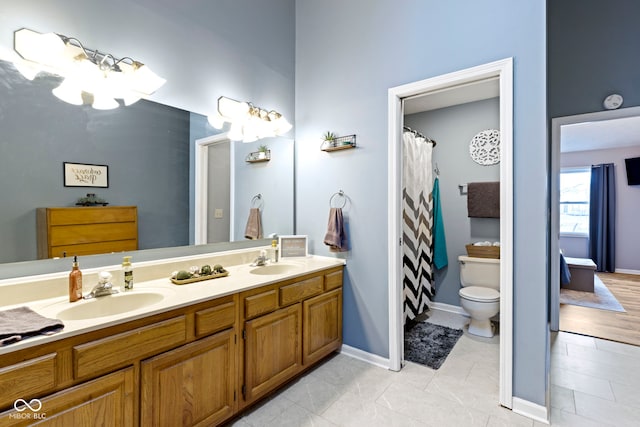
{"points": [[429, 344], [601, 297]]}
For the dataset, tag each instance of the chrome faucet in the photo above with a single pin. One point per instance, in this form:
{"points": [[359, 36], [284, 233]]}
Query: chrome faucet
{"points": [[103, 288], [261, 260]]}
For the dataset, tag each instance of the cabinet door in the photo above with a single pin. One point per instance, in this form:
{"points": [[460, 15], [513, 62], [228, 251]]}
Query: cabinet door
{"points": [[105, 401], [192, 385], [322, 325], [273, 352]]}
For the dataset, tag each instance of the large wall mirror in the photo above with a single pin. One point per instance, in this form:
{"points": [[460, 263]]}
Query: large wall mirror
{"points": [[149, 151]]}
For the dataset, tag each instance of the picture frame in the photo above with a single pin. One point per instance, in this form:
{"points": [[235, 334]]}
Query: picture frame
{"points": [[293, 246], [85, 175]]}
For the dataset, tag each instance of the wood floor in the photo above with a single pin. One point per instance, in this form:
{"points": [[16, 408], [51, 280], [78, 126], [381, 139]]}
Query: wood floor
{"points": [[610, 325]]}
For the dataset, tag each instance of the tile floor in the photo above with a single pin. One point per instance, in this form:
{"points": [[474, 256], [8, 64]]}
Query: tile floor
{"points": [[593, 383]]}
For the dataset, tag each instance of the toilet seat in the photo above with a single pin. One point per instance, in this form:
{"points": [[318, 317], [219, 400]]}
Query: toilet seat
{"points": [[480, 294]]}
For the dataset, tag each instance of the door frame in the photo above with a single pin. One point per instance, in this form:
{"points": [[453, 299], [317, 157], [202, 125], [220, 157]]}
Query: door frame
{"points": [[554, 233], [201, 185], [503, 70]]}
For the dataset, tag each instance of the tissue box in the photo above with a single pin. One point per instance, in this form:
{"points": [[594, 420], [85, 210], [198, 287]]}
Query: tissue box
{"points": [[483, 251]]}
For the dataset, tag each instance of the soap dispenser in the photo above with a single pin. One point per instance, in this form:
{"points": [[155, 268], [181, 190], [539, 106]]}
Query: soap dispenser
{"points": [[75, 282]]}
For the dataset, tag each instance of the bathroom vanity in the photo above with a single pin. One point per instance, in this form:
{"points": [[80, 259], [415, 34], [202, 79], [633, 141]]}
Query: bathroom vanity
{"points": [[199, 357]]}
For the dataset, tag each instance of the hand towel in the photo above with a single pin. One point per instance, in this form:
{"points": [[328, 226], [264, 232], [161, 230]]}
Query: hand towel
{"points": [[22, 322], [336, 238], [483, 199], [253, 230], [440, 258]]}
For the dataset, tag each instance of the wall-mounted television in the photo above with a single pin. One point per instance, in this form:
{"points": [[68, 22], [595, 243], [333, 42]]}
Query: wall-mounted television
{"points": [[633, 170]]}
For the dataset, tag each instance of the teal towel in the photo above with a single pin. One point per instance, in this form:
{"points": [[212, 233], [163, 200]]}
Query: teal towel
{"points": [[440, 259]]}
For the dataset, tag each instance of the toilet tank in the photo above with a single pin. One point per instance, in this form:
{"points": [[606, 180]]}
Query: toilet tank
{"points": [[484, 272]]}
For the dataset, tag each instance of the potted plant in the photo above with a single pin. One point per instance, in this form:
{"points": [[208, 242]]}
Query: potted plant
{"points": [[330, 138], [262, 151]]}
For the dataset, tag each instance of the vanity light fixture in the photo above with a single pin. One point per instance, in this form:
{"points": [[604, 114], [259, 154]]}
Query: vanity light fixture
{"points": [[248, 122], [100, 74]]}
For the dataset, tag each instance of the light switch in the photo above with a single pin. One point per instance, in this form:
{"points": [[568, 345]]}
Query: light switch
{"points": [[217, 213]]}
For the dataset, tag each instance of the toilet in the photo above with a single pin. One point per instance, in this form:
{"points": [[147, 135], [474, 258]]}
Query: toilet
{"points": [[480, 292]]}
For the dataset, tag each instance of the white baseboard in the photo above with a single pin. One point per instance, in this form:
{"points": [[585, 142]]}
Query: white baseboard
{"points": [[449, 308], [531, 410], [356, 353], [626, 271]]}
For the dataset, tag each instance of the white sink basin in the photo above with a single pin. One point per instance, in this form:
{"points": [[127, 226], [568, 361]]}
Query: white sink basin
{"points": [[275, 269], [109, 305]]}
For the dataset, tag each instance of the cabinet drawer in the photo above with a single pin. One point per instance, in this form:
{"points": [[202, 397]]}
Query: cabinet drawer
{"points": [[120, 350], [300, 290], [216, 318], [26, 379], [261, 303], [333, 280]]}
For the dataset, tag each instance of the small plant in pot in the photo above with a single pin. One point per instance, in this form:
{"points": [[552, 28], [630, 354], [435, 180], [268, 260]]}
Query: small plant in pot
{"points": [[329, 138], [262, 151]]}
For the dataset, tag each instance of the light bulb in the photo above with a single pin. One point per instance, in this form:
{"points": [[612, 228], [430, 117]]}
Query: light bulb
{"points": [[216, 120], [235, 133], [69, 92]]}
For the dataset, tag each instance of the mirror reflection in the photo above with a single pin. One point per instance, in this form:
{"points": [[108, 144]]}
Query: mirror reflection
{"points": [[148, 150]]}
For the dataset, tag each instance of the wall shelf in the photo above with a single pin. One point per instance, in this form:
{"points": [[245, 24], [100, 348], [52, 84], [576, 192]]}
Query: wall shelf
{"points": [[339, 143], [258, 156]]}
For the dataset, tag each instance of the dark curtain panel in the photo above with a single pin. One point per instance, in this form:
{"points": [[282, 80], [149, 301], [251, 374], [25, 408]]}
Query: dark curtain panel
{"points": [[602, 216]]}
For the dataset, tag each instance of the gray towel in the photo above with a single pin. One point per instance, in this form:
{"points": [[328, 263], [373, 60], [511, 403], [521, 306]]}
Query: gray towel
{"points": [[253, 230], [483, 199], [336, 238], [22, 322]]}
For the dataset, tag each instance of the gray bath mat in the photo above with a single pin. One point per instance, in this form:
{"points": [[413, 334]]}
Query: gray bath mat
{"points": [[429, 344]]}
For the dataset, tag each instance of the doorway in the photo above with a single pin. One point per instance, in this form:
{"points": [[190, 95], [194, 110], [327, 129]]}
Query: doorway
{"points": [[617, 130], [219, 198], [452, 89]]}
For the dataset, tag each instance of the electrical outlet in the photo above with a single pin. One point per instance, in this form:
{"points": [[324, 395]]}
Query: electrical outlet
{"points": [[217, 213]]}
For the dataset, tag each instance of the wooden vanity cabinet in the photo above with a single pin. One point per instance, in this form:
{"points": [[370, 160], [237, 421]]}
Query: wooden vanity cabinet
{"points": [[284, 336], [192, 366]]}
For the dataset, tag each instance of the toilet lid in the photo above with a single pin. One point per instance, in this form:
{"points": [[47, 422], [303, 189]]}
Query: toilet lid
{"points": [[480, 294]]}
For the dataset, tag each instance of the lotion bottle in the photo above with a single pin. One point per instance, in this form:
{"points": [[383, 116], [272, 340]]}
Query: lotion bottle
{"points": [[75, 282], [127, 273], [274, 251]]}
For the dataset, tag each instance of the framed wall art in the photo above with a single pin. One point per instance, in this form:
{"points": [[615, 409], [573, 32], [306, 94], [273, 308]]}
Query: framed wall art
{"points": [[85, 175]]}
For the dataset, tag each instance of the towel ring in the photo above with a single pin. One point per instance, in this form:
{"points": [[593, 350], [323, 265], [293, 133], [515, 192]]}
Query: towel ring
{"points": [[338, 194], [257, 198]]}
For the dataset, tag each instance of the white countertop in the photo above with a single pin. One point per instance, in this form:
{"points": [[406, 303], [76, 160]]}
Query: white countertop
{"points": [[173, 296]]}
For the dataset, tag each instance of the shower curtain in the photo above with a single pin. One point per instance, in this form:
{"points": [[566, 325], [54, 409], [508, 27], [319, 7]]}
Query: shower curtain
{"points": [[417, 252]]}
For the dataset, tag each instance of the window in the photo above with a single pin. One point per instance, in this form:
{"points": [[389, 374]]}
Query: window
{"points": [[575, 185]]}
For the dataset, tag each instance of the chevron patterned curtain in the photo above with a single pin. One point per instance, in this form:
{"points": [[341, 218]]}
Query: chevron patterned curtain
{"points": [[417, 205]]}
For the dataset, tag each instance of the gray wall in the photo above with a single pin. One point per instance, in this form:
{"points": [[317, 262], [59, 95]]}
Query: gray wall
{"points": [[627, 201], [453, 128], [592, 53], [145, 146], [272, 179], [391, 43]]}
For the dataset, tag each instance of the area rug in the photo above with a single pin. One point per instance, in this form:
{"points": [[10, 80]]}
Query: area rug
{"points": [[429, 344], [601, 297]]}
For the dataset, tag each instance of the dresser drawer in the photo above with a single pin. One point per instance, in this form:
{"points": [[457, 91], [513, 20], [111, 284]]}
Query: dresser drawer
{"points": [[265, 302], [26, 379], [110, 353], [300, 290], [214, 319]]}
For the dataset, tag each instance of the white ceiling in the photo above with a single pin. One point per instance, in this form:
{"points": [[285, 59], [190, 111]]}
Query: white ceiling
{"points": [[600, 135]]}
